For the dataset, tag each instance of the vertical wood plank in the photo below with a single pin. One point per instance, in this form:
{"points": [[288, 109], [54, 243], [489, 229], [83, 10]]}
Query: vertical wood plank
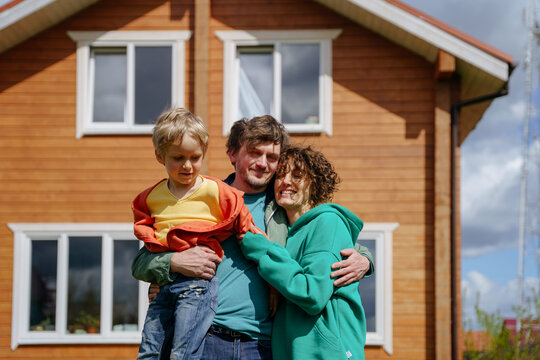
{"points": [[201, 59], [442, 221], [202, 28]]}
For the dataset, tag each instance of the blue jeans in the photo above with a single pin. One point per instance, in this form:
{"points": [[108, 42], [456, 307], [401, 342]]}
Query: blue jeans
{"points": [[226, 347], [184, 309]]}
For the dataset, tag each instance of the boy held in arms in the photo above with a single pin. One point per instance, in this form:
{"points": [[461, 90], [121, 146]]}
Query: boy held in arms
{"points": [[177, 213]]}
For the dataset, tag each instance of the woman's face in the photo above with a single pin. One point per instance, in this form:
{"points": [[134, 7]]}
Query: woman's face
{"points": [[291, 188]]}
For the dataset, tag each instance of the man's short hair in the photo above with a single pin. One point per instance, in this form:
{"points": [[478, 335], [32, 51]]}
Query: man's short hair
{"points": [[172, 125], [257, 130]]}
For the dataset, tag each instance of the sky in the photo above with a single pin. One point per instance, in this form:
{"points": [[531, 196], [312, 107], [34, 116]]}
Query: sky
{"points": [[491, 163]]}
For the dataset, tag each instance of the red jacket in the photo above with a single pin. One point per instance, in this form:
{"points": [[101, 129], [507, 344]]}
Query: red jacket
{"points": [[181, 237]]}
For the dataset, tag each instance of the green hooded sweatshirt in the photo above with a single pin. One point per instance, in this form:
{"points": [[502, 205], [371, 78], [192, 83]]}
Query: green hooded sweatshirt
{"points": [[315, 320]]}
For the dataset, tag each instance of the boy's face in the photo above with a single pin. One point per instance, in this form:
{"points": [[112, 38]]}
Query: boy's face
{"points": [[183, 162], [255, 166]]}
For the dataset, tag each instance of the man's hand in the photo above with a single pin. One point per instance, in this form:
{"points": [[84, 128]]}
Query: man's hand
{"points": [[351, 269], [198, 261]]}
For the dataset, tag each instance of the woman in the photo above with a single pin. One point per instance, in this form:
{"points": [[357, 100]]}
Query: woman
{"points": [[316, 320]]}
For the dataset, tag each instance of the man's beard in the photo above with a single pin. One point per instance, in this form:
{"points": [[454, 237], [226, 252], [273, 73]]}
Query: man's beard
{"points": [[260, 183]]}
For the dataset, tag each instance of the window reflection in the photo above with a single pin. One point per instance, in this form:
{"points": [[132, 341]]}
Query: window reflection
{"points": [[84, 285], [125, 287], [153, 82], [110, 83], [43, 286], [300, 83], [255, 82], [367, 290]]}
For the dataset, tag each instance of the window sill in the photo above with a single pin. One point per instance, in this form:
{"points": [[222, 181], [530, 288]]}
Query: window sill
{"points": [[53, 339], [142, 130]]}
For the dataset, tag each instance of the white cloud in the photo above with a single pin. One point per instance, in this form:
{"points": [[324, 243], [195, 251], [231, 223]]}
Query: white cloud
{"points": [[491, 154], [491, 296], [501, 21], [490, 199]]}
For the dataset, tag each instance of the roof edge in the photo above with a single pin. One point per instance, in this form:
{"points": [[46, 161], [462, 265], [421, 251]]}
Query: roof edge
{"points": [[10, 4], [17, 10], [452, 30]]}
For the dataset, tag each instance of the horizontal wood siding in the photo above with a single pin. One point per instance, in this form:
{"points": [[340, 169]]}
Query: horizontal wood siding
{"points": [[382, 145], [47, 175]]}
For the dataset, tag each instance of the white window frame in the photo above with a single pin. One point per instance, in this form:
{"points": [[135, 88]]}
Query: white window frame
{"points": [[129, 39], [24, 234], [235, 38], [382, 234]]}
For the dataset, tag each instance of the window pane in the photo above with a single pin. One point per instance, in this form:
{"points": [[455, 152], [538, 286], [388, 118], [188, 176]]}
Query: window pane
{"points": [[43, 286], [84, 282], [255, 84], [300, 83], [367, 290], [153, 82], [125, 287], [109, 84]]}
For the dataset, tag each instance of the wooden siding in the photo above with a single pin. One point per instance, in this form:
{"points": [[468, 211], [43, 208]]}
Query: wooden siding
{"points": [[382, 146]]}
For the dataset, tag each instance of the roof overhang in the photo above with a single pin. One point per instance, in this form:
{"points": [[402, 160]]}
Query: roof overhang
{"points": [[483, 69], [20, 20]]}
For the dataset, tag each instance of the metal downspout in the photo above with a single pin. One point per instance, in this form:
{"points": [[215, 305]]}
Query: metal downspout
{"points": [[454, 117]]}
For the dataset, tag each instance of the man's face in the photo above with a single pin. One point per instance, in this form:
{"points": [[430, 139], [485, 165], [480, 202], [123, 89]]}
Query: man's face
{"points": [[255, 166]]}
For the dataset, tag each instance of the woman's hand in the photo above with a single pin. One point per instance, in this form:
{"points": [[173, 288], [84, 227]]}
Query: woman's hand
{"points": [[253, 229], [256, 230]]}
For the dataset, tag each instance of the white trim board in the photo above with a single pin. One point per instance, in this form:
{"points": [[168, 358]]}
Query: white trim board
{"points": [[433, 35]]}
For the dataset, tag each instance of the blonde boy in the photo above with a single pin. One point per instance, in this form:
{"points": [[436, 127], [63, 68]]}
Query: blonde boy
{"points": [[185, 210]]}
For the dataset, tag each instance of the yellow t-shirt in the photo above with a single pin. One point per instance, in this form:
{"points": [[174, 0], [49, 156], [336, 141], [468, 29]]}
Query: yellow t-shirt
{"points": [[168, 211]]}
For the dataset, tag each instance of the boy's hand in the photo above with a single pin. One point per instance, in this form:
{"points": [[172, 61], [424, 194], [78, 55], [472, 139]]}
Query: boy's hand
{"points": [[351, 269], [198, 261], [153, 291]]}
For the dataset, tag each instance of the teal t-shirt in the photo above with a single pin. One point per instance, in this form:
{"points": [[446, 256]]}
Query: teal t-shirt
{"points": [[243, 294], [255, 204]]}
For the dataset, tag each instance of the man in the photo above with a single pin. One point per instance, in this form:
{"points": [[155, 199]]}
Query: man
{"points": [[242, 325]]}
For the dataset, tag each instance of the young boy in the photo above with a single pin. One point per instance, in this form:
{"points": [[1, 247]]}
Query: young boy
{"points": [[185, 210]]}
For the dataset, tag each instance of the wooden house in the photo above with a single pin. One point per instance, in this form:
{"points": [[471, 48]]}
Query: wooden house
{"points": [[386, 92]]}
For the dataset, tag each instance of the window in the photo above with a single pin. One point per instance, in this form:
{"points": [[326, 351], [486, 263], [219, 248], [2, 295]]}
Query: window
{"points": [[73, 284], [376, 290], [287, 74], [125, 79]]}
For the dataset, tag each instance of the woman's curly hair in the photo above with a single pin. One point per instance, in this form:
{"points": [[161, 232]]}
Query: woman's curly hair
{"points": [[313, 166]]}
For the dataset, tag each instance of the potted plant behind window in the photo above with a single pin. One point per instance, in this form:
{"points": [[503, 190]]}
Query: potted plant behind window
{"points": [[88, 322]]}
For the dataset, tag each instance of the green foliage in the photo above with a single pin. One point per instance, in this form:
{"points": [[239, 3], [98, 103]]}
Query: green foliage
{"points": [[500, 343], [87, 320]]}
